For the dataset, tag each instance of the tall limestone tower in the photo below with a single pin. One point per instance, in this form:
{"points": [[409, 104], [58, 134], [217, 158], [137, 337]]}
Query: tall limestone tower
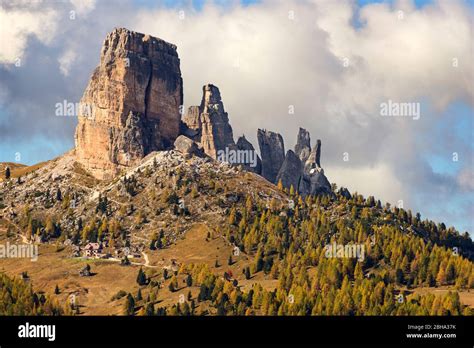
{"points": [[133, 100]]}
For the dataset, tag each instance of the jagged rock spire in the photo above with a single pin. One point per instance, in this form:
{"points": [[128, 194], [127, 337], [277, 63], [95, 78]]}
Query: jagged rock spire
{"points": [[318, 153], [303, 145], [306, 177], [216, 132], [314, 160], [210, 123], [272, 150]]}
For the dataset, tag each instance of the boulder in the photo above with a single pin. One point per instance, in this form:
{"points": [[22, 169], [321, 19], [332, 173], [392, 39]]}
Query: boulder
{"points": [[187, 146]]}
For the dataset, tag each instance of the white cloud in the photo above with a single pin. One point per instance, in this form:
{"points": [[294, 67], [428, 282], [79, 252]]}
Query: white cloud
{"points": [[66, 61], [408, 58], [17, 25], [466, 179], [20, 20], [378, 181], [83, 6]]}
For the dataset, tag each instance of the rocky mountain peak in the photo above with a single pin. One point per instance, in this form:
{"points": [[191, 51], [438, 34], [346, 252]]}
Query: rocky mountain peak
{"points": [[303, 145], [272, 150], [211, 100], [122, 40], [210, 123], [314, 181], [134, 96]]}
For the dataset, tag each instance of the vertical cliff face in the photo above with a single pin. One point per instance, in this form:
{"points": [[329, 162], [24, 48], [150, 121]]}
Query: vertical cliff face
{"points": [[272, 150], [210, 123], [246, 146], [192, 118], [314, 158], [314, 181], [216, 132], [134, 98], [303, 145], [291, 171], [300, 169]]}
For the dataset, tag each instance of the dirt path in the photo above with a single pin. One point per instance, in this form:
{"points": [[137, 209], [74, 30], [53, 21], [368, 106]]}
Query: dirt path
{"points": [[147, 261]]}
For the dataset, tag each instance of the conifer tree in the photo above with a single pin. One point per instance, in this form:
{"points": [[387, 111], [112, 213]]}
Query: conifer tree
{"points": [[149, 310], [247, 272], [129, 307], [280, 185], [189, 280], [59, 196], [139, 295], [141, 277]]}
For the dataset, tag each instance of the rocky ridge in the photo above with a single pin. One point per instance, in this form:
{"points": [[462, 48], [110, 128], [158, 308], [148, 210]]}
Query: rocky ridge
{"points": [[135, 98]]}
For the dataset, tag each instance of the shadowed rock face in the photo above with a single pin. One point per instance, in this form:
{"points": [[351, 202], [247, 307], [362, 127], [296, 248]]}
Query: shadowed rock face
{"points": [[134, 96], [314, 159], [306, 177], [291, 171], [319, 184], [303, 145], [272, 150], [314, 181], [318, 153], [245, 145], [344, 192]]}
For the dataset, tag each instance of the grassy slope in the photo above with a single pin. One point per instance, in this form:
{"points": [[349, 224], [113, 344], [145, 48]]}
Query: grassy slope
{"points": [[95, 293], [18, 169]]}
